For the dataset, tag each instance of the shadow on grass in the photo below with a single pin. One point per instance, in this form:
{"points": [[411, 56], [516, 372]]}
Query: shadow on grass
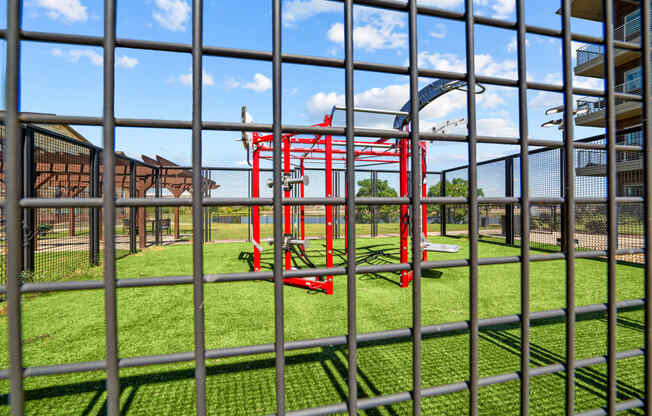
{"points": [[591, 381], [377, 254], [587, 378]]}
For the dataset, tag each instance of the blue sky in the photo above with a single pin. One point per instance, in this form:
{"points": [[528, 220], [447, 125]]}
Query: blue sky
{"points": [[67, 79]]}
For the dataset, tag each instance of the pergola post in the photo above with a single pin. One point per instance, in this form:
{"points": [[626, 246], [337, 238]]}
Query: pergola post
{"points": [[142, 221], [177, 234], [157, 212]]}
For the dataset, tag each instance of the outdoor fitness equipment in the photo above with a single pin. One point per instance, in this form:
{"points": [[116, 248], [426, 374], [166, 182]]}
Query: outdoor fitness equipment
{"points": [[323, 148]]}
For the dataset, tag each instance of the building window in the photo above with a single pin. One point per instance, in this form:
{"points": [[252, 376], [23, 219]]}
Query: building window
{"points": [[634, 138], [633, 79], [632, 24], [633, 190]]}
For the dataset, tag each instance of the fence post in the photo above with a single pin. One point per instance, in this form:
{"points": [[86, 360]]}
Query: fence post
{"points": [[92, 220], [373, 207], [509, 208], [442, 207], [157, 212], [563, 207], [29, 175], [132, 211]]}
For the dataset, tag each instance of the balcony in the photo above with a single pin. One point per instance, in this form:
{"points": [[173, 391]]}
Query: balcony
{"points": [[594, 162], [590, 58], [592, 110]]}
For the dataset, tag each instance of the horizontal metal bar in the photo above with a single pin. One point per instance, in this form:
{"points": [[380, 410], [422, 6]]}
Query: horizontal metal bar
{"points": [[457, 387], [441, 329], [310, 272], [620, 407], [374, 110], [336, 131], [182, 202]]}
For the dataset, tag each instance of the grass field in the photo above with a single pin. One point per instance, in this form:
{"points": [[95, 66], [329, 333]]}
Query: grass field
{"points": [[69, 327]]}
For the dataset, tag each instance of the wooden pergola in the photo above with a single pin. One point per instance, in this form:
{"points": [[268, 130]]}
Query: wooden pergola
{"points": [[68, 175]]}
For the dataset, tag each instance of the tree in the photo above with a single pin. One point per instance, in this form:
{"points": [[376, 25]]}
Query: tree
{"points": [[385, 213], [456, 187]]}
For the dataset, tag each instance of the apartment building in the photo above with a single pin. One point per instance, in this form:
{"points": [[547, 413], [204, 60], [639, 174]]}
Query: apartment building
{"points": [[590, 63]]}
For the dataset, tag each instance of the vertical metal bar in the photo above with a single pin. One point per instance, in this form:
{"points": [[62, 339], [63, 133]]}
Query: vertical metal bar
{"points": [[157, 211], [473, 210], [569, 199], [646, 56], [509, 191], [562, 193], [249, 218], [349, 176], [279, 327], [133, 227], [29, 176], [372, 208], [612, 209], [525, 207], [108, 205], [197, 197], [96, 211], [92, 188], [13, 141], [442, 207], [415, 150]]}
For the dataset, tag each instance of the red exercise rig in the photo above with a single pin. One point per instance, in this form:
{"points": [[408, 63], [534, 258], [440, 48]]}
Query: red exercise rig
{"points": [[318, 148]]}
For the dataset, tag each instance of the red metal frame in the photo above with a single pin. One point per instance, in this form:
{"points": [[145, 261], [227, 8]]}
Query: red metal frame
{"points": [[312, 148]]}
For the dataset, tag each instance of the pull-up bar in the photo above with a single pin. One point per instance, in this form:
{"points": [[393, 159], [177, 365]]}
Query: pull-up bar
{"points": [[370, 110]]}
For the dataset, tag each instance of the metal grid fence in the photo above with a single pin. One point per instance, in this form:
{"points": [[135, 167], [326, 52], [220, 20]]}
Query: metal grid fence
{"points": [[15, 201]]}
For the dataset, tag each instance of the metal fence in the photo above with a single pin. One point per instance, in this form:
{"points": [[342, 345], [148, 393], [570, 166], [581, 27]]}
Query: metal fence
{"points": [[501, 223], [57, 241], [15, 201]]}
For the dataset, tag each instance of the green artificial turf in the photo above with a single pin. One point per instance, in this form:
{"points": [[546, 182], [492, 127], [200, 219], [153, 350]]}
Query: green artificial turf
{"points": [[69, 327]]}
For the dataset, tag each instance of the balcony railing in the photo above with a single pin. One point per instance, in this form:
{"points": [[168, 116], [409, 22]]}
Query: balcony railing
{"points": [[595, 104], [626, 33]]}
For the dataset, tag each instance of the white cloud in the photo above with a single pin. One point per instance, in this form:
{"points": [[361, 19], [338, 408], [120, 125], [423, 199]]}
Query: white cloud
{"points": [[172, 14], [186, 79], [485, 64], [490, 100], [391, 97], [297, 10], [369, 37], [126, 62], [503, 8], [94, 57], [70, 11], [497, 127], [260, 83], [511, 46], [439, 32]]}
